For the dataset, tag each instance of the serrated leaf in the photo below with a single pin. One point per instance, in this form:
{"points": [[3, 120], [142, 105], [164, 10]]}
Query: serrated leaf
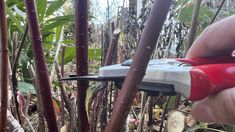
{"points": [[54, 6], [25, 88]]}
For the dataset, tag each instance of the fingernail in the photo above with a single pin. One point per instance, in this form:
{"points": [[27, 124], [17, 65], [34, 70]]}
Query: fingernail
{"points": [[233, 53]]}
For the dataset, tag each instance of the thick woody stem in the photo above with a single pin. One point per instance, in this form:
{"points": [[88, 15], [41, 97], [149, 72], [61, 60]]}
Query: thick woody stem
{"points": [[81, 34], [4, 66], [40, 63], [137, 70]]}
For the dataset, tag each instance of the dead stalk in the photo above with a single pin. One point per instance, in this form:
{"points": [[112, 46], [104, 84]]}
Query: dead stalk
{"points": [[193, 27], [14, 69], [217, 12], [41, 123]]}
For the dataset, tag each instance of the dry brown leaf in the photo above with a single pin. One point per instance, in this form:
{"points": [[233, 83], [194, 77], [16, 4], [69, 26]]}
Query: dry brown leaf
{"points": [[56, 106], [155, 128], [64, 128], [157, 113], [22, 103], [186, 109], [190, 121]]}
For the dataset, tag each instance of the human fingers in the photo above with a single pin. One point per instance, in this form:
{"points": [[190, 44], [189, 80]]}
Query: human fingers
{"points": [[217, 39], [219, 108]]}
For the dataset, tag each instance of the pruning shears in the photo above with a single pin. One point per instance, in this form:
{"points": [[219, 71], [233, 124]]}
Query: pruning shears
{"points": [[194, 78]]}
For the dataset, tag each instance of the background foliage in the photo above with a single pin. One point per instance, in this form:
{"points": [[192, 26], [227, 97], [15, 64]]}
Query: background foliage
{"points": [[57, 26]]}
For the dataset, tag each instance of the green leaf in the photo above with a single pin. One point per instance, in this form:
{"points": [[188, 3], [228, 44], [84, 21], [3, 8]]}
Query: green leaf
{"points": [[171, 102], [68, 41], [10, 13], [186, 14], [56, 105], [46, 34], [24, 59], [62, 18], [205, 12], [13, 2], [54, 6], [58, 33], [12, 28], [70, 54], [41, 7], [54, 25], [230, 128], [55, 83], [49, 59], [25, 88], [56, 22], [181, 2], [95, 54], [226, 13]]}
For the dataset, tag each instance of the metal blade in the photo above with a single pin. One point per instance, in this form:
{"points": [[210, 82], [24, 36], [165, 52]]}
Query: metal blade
{"points": [[153, 88], [149, 87], [92, 78]]}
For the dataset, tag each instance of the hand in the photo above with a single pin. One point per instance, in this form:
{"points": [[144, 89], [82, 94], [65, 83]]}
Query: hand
{"points": [[216, 40]]}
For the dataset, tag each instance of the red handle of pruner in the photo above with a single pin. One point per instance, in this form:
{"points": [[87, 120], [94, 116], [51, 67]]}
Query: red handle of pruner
{"points": [[211, 79], [207, 60]]}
